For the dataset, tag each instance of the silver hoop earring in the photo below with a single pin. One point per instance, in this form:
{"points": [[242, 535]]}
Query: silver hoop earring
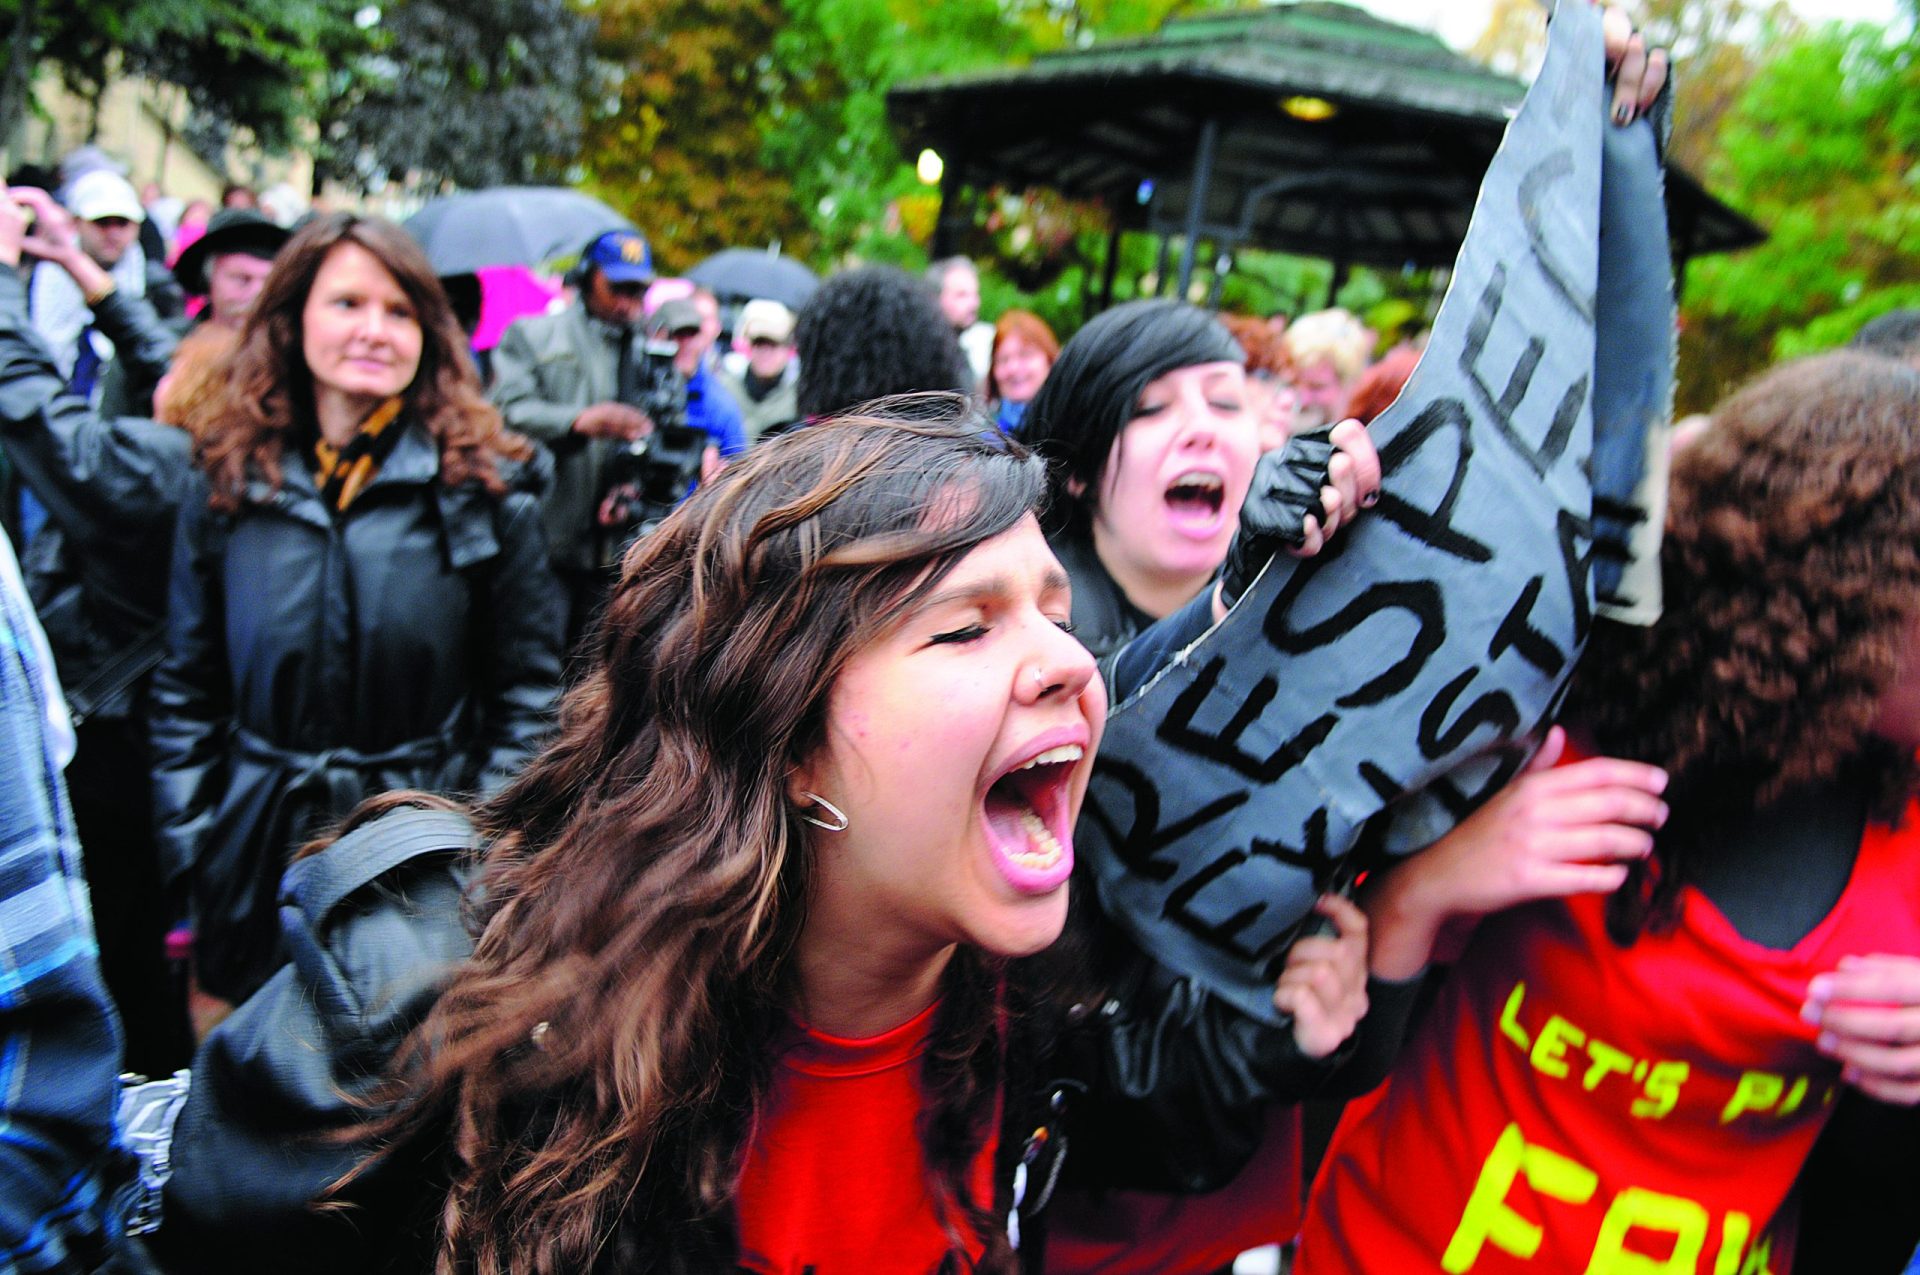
{"points": [[832, 810]]}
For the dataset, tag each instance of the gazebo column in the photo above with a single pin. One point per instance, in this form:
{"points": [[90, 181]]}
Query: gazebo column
{"points": [[1108, 270], [1197, 200], [1342, 271], [952, 212]]}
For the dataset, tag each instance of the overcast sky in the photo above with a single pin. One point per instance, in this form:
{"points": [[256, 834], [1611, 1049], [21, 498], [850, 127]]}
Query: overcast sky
{"points": [[1459, 22]]}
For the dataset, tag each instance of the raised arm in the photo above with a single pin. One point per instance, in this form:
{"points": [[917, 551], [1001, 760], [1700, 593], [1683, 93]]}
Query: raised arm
{"points": [[1554, 832], [124, 475]]}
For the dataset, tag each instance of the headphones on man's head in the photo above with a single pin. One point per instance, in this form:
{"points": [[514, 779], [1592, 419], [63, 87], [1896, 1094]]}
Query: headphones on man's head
{"points": [[635, 251], [581, 270]]}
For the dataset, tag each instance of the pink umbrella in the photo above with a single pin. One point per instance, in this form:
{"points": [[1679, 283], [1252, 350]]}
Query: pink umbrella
{"points": [[507, 293]]}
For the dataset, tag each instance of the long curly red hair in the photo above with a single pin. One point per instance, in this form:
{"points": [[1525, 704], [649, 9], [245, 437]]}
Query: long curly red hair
{"points": [[268, 407]]}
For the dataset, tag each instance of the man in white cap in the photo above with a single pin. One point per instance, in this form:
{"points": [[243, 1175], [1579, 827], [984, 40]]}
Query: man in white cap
{"points": [[764, 383], [107, 217]]}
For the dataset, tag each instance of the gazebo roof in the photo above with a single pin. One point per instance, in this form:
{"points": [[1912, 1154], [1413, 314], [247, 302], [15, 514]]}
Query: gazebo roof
{"points": [[1388, 178]]}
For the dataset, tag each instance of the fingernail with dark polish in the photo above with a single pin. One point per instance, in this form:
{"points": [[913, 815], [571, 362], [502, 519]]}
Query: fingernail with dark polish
{"points": [[1372, 498], [1621, 114]]}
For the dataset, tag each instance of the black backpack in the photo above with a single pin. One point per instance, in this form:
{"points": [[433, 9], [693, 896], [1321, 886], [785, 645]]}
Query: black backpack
{"points": [[374, 926]]}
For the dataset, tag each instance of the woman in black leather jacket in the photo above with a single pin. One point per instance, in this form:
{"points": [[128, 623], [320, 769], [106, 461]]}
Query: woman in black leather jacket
{"points": [[359, 600]]}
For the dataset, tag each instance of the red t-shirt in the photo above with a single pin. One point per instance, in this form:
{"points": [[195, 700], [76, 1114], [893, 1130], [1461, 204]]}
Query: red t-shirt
{"points": [[835, 1181], [1571, 1105]]}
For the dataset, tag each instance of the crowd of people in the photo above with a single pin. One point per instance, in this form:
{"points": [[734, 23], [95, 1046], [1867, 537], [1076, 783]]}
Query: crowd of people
{"points": [[608, 805]]}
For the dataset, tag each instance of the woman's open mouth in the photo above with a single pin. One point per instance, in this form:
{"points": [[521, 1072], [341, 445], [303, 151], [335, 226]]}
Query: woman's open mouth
{"points": [[1025, 813], [1194, 500]]}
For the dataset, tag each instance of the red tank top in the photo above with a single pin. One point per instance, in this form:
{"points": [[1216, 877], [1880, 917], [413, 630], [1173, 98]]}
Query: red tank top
{"points": [[1574, 1106]]}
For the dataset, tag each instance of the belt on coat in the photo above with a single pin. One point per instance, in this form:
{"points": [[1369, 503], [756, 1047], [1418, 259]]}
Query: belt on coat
{"points": [[338, 771]]}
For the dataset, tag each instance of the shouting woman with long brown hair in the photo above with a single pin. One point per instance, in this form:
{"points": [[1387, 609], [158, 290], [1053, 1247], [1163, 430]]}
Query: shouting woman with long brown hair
{"points": [[767, 971], [749, 987]]}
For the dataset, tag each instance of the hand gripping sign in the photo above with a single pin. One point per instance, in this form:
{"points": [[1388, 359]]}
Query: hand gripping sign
{"points": [[1364, 701]]}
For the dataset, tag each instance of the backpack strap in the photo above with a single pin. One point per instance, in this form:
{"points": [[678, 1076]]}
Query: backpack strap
{"points": [[315, 886], [117, 673]]}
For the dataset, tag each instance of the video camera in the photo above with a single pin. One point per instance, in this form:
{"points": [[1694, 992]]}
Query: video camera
{"points": [[649, 476]]}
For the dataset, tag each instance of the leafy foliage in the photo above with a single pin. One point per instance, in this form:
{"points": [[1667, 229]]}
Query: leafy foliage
{"points": [[243, 63], [739, 122], [428, 91], [844, 164], [860, 195], [675, 142], [1717, 47], [255, 66], [469, 93], [1815, 134], [1823, 148]]}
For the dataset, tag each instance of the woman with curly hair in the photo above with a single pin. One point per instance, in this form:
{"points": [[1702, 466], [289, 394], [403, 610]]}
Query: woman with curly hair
{"points": [[1627, 1070], [359, 597], [868, 333]]}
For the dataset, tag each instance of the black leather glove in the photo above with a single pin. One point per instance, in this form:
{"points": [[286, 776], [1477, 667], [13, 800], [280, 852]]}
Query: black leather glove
{"points": [[1286, 489]]}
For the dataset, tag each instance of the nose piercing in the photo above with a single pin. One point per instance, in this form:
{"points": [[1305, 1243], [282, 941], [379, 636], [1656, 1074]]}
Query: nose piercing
{"points": [[1039, 680]]}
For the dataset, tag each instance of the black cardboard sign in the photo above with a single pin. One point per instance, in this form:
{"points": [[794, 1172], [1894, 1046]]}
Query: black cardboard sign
{"points": [[1387, 687]]}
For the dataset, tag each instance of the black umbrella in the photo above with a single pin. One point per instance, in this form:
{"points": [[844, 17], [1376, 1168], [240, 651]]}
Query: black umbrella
{"points": [[746, 274], [509, 226]]}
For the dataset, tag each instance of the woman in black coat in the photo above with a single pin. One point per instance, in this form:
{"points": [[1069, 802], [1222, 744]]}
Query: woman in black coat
{"points": [[360, 599]]}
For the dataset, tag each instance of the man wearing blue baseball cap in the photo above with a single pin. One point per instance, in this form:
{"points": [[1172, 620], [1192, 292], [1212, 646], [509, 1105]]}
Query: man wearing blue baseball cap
{"points": [[557, 379]]}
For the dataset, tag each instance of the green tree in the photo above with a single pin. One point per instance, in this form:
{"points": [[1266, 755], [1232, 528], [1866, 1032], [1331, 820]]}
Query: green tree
{"points": [[835, 143], [243, 63], [467, 93], [676, 141], [1717, 47], [1823, 149], [858, 192]]}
